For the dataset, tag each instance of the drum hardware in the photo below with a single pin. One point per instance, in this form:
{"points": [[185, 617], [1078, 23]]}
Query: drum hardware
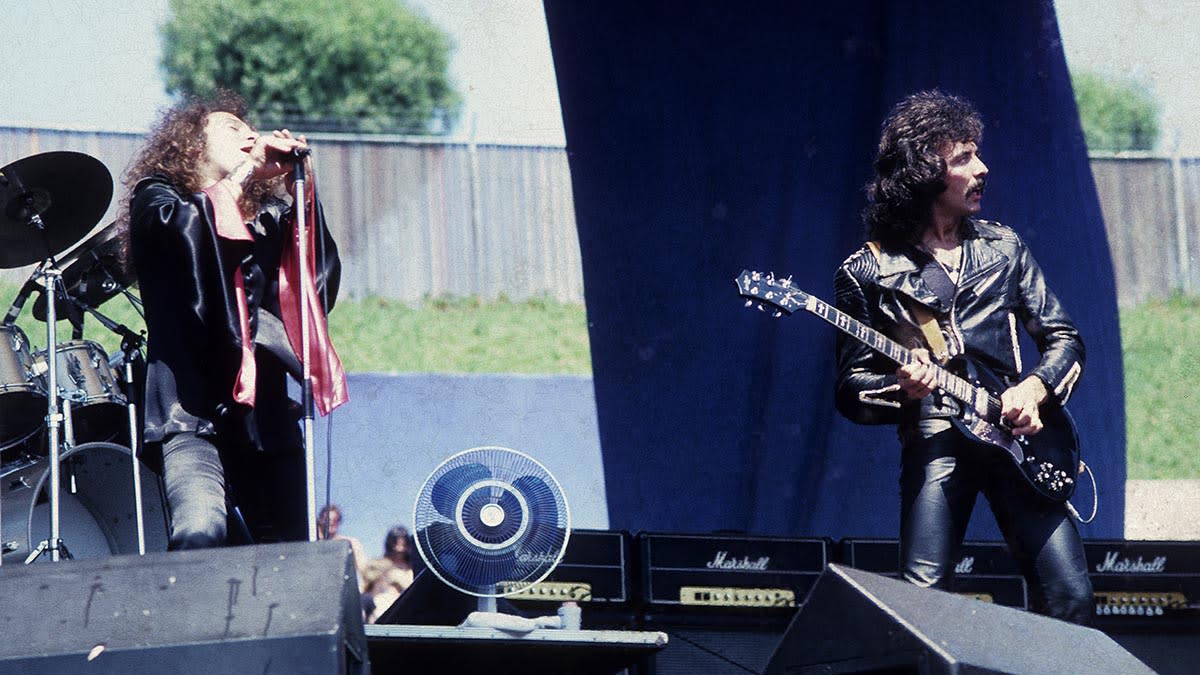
{"points": [[88, 392], [131, 349], [49, 201], [52, 278], [93, 274]]}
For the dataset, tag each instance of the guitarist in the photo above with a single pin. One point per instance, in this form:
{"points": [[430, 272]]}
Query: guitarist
{"points": [[979, 283]]}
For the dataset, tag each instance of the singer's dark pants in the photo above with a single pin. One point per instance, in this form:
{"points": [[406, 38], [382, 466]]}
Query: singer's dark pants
{"points": [[244, 497], [939, 479]]}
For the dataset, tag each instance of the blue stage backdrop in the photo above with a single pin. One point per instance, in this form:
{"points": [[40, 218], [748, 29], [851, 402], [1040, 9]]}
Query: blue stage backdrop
{"points": [[705, 137]]}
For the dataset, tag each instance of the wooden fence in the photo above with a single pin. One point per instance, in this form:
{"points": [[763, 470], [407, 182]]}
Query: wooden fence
{"points": [[417, 218], [413, 218], [1151, 208]]}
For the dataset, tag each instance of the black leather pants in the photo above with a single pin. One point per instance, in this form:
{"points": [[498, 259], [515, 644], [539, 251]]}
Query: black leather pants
{"points": [[940, 477], [201, 484]]}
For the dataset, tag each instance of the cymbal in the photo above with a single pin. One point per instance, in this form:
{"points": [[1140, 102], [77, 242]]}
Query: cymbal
{"points": [[92, 273], [69, 191]]}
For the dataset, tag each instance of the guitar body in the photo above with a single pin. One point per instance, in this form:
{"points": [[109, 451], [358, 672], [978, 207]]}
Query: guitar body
{"points": [[1049, 459]]}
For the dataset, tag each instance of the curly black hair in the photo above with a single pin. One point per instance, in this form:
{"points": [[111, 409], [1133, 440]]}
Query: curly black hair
{"points": [[174, 150], [909, 169]]}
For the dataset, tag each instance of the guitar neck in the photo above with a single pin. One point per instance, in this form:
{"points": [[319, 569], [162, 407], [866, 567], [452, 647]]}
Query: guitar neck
{"points": [[946, 381]]}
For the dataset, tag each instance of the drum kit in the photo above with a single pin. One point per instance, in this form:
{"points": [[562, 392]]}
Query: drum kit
{"points": [[68, 414]]}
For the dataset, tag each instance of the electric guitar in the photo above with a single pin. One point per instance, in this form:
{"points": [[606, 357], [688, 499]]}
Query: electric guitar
{"points": [[1047, 460]]}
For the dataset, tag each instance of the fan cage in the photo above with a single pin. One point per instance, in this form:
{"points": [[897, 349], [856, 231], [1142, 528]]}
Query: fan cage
{"points": [[469, 562]]}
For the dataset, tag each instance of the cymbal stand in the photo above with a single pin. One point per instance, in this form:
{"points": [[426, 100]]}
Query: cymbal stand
{"points": [[51, 283], [131, 345]]}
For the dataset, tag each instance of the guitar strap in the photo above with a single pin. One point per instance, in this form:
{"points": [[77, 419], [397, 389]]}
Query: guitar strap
{"points": [[925, 319]]}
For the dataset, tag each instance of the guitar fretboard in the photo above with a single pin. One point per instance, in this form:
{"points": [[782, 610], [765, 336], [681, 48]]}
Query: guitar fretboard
{"points": [[949, 382]]}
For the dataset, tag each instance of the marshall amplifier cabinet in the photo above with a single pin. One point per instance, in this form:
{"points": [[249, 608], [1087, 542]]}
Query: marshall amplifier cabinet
{"points": [[703, 574], [724, 601], [984, 570], [594, 572], [1145, 585]]}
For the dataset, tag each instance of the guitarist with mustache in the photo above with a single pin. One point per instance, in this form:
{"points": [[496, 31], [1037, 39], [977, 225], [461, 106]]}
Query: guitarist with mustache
{"points": [[930, 256]]}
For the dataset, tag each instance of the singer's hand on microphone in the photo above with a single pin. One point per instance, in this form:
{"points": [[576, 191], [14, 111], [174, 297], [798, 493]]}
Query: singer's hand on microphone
{"points": [[274, 154]]}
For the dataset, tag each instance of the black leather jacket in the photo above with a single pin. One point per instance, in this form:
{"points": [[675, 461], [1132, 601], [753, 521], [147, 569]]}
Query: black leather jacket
{"points": [[185, 273], [1000, 288]]}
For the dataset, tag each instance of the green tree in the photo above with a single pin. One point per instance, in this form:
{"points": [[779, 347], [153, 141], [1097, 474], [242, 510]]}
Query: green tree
{"points": [[333, 65], [1116, 114]]}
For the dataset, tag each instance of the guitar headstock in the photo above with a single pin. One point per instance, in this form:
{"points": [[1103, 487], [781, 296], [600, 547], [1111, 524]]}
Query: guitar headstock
{"points": [[767, 292]]}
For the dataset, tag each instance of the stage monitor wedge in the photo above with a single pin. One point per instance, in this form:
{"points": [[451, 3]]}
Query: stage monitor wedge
{"points": [[276, 608], [860, 622]]}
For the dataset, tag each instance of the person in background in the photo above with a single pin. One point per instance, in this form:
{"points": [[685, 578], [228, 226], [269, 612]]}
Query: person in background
{"points": [[388, 576], [398, 548], [329, 522]]}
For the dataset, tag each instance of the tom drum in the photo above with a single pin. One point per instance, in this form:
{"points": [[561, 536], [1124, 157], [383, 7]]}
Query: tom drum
{"points": [[87, 380], [22, 396]]}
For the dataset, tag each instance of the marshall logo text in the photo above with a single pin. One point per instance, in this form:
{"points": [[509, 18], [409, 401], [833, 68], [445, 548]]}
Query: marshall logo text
{"points": [[722, 561], [1115, 564]]}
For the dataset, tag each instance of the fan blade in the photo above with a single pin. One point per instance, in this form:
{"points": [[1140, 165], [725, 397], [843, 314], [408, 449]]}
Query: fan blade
{"points": [[445, 493], [443, 543], [543, 505]]}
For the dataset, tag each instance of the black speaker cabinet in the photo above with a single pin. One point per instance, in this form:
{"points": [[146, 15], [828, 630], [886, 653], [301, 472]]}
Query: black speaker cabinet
{"points": [[279, 608], [860, 622], [724, 600], [731, 648]]}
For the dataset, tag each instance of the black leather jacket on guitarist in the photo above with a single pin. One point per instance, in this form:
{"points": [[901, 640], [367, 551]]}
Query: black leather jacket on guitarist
{"points": [[1001, 288]]}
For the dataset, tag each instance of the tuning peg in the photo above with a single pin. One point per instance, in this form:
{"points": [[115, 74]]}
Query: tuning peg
{"points": [[777, 314], [749, 303]]}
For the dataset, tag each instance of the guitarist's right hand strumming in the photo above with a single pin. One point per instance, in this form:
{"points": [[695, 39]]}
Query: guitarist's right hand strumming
{"points": [[1020, 404]]}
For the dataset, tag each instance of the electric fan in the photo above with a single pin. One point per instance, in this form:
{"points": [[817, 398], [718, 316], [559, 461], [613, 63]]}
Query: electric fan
{"points": [[490, 522]]}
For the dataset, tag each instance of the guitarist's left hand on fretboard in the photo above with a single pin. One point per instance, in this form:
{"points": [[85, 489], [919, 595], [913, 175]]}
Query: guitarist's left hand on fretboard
{"points": [[917, 379]]}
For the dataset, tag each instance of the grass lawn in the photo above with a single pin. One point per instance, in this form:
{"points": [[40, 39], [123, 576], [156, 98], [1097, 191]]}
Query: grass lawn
{"points": [[1160, 345]]}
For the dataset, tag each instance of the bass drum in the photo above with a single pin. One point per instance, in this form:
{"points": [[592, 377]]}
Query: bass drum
{"points": [[97, 515]]}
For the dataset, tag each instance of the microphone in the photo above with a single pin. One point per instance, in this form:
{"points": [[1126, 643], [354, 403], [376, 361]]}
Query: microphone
{"points": [[301, 153]]}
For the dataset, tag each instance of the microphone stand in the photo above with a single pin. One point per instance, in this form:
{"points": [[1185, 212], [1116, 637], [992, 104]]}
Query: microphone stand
{"points": [[131, 345], [301, 210]]}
